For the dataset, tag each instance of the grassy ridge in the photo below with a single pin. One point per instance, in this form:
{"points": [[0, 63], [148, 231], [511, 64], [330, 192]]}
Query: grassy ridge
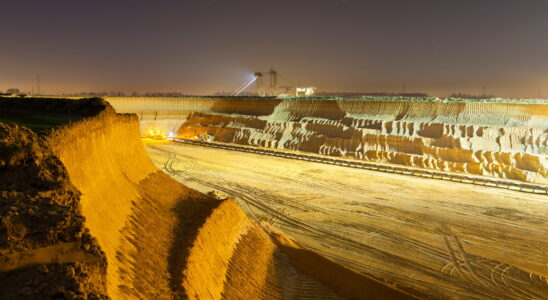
{"points": [[42, 114], [35, 122]]}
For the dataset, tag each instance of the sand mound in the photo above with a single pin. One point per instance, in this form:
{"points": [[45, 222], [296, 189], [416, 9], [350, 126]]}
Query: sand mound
{"points": [[96, 218]]}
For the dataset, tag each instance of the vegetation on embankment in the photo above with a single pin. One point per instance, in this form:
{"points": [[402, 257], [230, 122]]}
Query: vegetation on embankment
{"points": [[37, 123], [42, 115]]}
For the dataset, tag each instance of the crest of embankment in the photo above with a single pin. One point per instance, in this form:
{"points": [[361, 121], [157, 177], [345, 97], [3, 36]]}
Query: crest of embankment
{"points": [[139, 233]]}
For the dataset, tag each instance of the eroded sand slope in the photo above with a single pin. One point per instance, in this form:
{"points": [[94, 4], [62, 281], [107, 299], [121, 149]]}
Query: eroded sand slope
{"points": [[160, 239], [503, 140]]}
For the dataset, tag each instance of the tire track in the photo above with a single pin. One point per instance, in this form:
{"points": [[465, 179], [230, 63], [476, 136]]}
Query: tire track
{"points": [[466, 179], [486, 278]]}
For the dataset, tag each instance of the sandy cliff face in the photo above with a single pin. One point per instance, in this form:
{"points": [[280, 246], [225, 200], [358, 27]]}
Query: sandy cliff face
{"points": [[124, 199], [121, 228], [505, 140]]}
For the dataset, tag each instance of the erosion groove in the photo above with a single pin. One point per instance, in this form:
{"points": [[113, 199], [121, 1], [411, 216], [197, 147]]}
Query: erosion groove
{"points": [[496, 139], [120, 228]]}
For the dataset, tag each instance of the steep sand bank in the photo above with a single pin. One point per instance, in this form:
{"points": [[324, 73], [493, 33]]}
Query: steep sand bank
{"points": [[160, 239], [505, 140]]}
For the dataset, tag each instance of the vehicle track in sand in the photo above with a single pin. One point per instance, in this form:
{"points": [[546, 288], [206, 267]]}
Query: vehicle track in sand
{"points": [[471, 272], [389, 168], [415, 237]]}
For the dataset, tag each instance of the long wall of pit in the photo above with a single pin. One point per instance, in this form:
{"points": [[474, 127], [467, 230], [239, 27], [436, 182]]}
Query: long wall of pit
{"points": [[497, 139]]}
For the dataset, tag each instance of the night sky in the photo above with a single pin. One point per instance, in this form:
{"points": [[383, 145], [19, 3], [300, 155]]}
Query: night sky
{"points": [[204, 46]]}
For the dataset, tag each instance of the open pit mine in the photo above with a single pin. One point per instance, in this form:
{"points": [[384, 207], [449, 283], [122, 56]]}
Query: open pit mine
{"points": [[266, 198], [504, 140]]}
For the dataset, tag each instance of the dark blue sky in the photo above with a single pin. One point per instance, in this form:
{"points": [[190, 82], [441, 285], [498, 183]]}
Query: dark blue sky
{"points": [[201, 46]]}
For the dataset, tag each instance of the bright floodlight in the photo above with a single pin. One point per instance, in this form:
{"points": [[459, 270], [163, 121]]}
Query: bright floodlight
{"points": [[245, 86]]}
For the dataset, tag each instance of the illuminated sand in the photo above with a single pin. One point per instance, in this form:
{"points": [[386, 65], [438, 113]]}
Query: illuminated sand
{"points": [[147, 236], [447, 239], [133, 232]]}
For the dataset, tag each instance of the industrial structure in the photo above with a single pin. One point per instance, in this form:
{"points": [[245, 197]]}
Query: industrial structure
{"points": [[273, 89], [259, 83], [273, 82]]}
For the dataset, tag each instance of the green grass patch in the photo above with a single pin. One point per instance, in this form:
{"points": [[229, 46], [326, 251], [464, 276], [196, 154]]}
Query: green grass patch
{"points": [[37, 123]]}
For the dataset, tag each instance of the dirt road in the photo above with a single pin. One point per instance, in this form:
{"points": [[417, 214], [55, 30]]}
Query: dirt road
{"points": [[447, 239]]}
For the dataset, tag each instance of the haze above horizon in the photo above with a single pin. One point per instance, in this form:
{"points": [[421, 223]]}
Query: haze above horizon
{"points": [[201, 47]]}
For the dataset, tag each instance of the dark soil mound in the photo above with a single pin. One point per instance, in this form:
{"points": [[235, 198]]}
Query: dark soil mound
{"points": [[38, 215]]}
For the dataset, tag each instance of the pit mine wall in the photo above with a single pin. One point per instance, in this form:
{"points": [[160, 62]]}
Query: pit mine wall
{"points": [[131, 207], [108, 170], [168, 113], [504, 140], [162, 240], [128, 205]]}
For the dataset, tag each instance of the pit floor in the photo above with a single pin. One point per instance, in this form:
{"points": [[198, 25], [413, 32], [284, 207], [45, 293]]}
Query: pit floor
{"points": [[447, 239]]}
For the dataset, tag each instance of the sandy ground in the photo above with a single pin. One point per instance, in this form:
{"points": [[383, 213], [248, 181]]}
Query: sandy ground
{"points": [[447, 239]]}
